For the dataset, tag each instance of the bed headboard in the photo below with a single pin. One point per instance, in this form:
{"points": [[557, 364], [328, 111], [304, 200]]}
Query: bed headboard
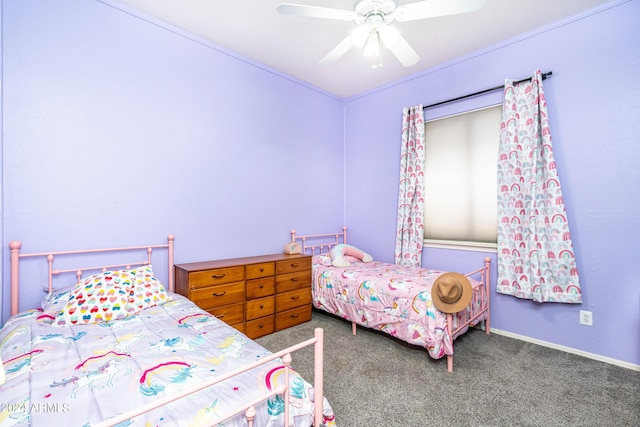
{"points": [[16, 245], [315, 244]]}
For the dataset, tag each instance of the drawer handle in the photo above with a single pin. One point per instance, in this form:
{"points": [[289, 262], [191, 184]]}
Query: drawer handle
{"points": [[261, 305], [261, 269], [294, 264], [261, 325], [215, 294], [293, 316], [218, 276], [220, 316], [295, 297], [261, 285], [294, 279]]}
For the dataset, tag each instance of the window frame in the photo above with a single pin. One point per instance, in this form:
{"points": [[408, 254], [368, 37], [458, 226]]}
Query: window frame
{"points": [[461, 244]]}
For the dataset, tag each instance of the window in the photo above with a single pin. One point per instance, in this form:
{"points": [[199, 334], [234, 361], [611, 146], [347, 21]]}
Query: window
{"points": [[460, 179]]}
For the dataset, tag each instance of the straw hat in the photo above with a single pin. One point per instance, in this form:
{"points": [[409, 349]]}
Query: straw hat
{"points": [[451, 292]]}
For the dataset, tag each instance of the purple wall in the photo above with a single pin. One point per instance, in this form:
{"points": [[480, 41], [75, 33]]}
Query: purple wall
{"points": [[118, 131], [593, 105]]}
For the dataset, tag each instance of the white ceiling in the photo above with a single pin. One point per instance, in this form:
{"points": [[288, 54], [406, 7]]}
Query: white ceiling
{"points": [[294, 45]]}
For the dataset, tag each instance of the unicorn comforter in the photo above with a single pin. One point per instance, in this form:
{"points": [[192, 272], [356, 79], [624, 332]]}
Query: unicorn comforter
{"points": [[74, 376], [391, 298]]}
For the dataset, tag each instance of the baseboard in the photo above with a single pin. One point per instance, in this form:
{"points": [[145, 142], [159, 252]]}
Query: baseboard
{"points": [[609, 360]]}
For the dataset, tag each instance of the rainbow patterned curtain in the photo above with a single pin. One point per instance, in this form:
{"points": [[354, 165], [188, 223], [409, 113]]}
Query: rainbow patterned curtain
{"points": [[535, 254], [410, 224]]}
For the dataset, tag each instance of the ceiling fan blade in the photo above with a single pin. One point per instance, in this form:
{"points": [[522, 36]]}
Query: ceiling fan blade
{"points": [[316, 12], [356, 38], [397, 44], [337, 52], [434, 8]]}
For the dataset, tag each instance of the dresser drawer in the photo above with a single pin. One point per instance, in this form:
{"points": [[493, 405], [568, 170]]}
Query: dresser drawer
{"points": [[259, 288], [296, 264], [264, 269], [289, 300], [293, 317], [260, 327], [249, 292], [260, 307], [291, 281], [217, 296], [215, 276], [230, 314]]}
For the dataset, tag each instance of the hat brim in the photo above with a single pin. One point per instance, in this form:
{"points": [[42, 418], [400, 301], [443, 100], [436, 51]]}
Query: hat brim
{"points": [[461, 303]]}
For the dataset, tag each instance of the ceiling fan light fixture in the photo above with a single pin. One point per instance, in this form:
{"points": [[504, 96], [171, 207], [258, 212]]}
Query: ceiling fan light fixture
{"points": [[375, 20], [372, 45], [376, 10]]}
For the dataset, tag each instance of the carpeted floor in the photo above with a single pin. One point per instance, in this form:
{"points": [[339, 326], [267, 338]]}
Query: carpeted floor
{"points": [[372, 379]]}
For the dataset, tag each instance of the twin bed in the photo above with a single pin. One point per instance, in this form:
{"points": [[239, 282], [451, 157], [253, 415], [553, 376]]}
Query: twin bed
{"points": [[117, 347], [394, 299]]}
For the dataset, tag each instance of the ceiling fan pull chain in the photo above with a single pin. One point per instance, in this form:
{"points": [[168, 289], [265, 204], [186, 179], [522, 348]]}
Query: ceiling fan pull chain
{"points": [[379, 53]]}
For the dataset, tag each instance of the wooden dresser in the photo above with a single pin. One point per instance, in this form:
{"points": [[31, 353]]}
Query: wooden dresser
{"points": [[256, 295]]}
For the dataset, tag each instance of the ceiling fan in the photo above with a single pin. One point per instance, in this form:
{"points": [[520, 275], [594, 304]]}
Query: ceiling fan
{"points": [[373, 18]]}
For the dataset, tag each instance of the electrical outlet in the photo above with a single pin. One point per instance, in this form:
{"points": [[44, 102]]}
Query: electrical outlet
{"points": [[586, 318]]}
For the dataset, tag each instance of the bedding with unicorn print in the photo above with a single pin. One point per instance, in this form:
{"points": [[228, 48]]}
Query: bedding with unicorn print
{"points": [[65, 369], [394, 299]]}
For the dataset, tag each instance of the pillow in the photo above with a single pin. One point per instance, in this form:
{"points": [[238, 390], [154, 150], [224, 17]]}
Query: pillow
{"points": [[324, 259], [146, 290], [53, 303], [95, 299], [339, 251], [55, 300]]}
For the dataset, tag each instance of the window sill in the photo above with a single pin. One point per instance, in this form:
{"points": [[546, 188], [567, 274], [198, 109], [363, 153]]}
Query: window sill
{"points": [[461, 246]]}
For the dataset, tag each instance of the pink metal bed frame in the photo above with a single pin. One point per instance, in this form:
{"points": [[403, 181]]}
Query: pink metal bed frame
{"points": [[481, 296], [249, 408]]}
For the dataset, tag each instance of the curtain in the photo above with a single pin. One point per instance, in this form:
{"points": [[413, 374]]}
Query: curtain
{"points": [[410, 226], [535, 254]]}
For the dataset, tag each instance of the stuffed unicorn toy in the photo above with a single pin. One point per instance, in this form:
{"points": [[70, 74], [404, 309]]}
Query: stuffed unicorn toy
{"points": [[340, 250]]}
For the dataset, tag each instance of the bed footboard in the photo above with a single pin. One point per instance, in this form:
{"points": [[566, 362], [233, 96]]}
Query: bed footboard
{"points": [[479, 308], [249, 409]]}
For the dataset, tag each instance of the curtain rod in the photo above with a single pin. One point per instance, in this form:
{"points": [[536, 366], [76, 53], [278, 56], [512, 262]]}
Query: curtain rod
{"points": [[544, 77]]}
